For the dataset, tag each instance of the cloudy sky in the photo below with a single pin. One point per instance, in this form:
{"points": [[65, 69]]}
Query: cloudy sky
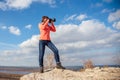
{"points": [[86, 30]]}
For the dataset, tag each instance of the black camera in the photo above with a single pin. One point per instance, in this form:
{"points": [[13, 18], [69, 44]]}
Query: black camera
{"points": [[50, 20]]}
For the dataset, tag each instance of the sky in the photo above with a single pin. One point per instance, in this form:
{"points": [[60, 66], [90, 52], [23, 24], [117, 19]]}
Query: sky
{"points": [[86, 30]]}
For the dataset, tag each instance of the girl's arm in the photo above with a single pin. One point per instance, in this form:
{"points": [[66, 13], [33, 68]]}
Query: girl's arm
{"points": [[44, 24], [52, 27]]}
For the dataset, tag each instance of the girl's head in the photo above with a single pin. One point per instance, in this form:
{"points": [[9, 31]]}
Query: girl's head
{"points": [[44, 18]]}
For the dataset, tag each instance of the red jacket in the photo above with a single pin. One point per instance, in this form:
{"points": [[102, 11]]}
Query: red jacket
{"points": [[45, 30]]}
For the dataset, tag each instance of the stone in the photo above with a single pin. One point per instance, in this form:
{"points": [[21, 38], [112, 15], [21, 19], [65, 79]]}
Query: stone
{"points": [[89, 74]]}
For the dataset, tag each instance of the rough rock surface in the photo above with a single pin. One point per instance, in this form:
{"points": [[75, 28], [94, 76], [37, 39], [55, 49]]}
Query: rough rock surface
{"points": [[97, 73]]}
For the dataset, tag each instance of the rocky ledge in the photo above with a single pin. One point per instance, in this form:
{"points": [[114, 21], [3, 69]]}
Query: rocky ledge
{"points": [[97, 73]]}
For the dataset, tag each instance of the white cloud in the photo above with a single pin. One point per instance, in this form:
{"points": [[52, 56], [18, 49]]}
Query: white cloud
{"points": [[3, 6], [117, 25], [14, 30], [114, 16], [18, 4], [22, 4], [7, 46], [30, 42], [90, 35], [71, 17], [107, 10], [81, 17], [29, 26], [52, 3], [89, 40], [87, 31], [3, 27], [27, 51], [76, 17], [15, 4]]}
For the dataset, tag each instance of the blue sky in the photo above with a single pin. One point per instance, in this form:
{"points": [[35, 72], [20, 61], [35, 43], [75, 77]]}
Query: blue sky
{"points": [[86, 30]]}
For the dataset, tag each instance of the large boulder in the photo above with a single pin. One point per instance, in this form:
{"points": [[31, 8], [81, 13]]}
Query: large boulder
{"points": [[89, 74]]}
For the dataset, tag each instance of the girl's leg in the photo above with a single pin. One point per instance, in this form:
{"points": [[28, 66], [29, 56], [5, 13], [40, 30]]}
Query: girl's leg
{"points": [[56, 54], [55, 50], [41, 52]]}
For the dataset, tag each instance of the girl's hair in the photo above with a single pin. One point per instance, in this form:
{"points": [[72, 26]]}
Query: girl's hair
{"points": [[44, 18]]}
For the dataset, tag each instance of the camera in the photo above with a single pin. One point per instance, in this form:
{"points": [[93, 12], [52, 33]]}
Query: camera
{"points": [[50, 20]]}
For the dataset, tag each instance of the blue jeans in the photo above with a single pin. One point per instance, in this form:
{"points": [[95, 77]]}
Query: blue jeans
{"points": [[42, 44]]}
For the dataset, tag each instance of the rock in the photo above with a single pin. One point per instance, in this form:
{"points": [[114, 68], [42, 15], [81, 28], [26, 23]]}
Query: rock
{"points": [[89, 74], [96, 68]]}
